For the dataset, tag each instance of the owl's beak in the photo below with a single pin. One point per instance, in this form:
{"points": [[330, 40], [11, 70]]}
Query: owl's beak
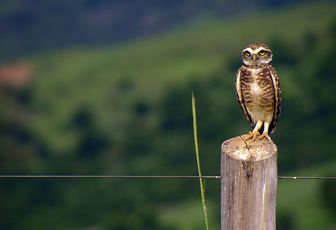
{"points": [[254, 57]]}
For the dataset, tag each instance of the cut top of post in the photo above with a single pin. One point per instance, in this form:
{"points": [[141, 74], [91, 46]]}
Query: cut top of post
{"points": [[251, 150]]}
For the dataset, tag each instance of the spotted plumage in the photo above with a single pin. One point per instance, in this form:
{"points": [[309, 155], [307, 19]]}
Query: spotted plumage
{"points": [[258, 90]]}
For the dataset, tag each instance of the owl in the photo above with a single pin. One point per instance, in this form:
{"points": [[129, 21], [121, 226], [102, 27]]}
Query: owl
{"points": [[258, 90]]}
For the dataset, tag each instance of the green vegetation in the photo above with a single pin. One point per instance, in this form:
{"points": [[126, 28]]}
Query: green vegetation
{"points": [[111, 80], [126, 110], [299, 205], [27, 28], [300, 202]]}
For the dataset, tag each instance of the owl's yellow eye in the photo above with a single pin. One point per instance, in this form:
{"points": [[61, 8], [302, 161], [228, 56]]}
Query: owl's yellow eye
{"points": [[247, 53], [262, 52]]}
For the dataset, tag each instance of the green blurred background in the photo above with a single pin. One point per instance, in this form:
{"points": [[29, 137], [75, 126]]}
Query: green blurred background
{"points": [[104, 87]]}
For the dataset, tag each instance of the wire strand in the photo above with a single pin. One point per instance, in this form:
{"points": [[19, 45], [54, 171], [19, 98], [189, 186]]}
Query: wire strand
{"points": [[150, 177], [112, 176], [307, 177]]}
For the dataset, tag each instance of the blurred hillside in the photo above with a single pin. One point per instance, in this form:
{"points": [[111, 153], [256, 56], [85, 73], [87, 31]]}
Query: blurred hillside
{"points": [[127, 110], [27, 27], [112, 85]]}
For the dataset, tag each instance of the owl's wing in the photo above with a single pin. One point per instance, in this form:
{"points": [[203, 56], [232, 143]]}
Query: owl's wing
{"points": [[277, 104], [240, 97]]}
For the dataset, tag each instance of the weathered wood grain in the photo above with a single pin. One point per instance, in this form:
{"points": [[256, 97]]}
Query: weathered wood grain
{"points": [[249, 183]]}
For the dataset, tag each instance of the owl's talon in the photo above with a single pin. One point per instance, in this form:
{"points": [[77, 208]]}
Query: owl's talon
{"points": [[264, 135], [252, 135]]}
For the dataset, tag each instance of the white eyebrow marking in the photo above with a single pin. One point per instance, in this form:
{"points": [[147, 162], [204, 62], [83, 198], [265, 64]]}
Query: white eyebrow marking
{"points": [[261, 48], [248, 49]]}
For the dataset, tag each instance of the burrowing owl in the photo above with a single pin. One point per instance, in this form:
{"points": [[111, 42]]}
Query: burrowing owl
{"points": [[258, 90]]}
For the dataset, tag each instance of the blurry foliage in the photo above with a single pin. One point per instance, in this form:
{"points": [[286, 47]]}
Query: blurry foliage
{"points": [[328, 191], [156, 139], [284, 53], [17, 142], [96, 22], [91, 141], [284, 220]]}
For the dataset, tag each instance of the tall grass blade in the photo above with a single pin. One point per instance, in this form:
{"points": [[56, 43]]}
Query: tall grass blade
{"points": [[202, 187]]}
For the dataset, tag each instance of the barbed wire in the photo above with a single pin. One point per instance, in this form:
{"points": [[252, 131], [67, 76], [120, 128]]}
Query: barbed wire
{"points": [[149, 177]]}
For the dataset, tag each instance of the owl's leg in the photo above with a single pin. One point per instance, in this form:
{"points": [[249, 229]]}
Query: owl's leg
{"points": [[252, 135], [265, 132]]}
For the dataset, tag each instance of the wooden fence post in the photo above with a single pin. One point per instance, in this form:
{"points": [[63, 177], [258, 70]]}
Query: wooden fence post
{"points": [[248, 184]]}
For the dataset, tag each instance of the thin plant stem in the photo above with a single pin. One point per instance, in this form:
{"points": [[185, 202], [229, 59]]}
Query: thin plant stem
{"points": [[201, 181]]}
